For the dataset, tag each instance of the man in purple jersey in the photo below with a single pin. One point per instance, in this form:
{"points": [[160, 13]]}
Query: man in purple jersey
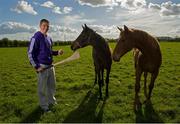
{"points": [[40, 56]]}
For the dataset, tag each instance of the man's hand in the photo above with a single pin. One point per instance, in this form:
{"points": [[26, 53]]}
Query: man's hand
{"points": [[60, 52], [40, 69]]}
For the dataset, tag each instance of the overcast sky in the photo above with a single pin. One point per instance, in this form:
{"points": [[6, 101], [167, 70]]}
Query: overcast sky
{"points": [[19, 19]]}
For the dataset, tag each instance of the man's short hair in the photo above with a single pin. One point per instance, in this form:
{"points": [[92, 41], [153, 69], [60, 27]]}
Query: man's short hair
{"points": [[44, 20]]}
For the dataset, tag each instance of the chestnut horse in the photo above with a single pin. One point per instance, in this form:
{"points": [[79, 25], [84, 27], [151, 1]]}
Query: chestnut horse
{"points": [[147, 56], [101, 54]]}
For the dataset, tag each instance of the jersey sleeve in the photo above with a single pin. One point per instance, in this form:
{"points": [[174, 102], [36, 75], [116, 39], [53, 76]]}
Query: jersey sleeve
{"points": [[32, 53]]}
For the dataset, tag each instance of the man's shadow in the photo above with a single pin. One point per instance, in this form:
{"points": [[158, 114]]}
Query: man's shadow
{"points": [[148, 114], [86, 111], [34, 116]]}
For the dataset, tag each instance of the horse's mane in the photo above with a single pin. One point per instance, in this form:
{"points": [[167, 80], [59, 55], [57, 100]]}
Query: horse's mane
{"points": [[101, 42]]}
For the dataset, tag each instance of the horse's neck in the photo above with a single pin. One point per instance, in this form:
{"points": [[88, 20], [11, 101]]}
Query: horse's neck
{"points": [[99, 44], [97, 41], [149, 48]]}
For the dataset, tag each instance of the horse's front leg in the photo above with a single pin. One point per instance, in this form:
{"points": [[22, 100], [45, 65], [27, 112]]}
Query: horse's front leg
{"points": [[107, 82], [102, 77], [99, 83], [145, 87], [137, 103]]}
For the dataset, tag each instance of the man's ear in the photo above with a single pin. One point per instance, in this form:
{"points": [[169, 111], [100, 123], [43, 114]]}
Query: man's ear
{"points": [[120, 28], [126, 29]]}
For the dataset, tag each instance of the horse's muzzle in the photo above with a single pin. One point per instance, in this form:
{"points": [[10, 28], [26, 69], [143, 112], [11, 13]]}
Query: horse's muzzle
{"points": [[75, 46]]}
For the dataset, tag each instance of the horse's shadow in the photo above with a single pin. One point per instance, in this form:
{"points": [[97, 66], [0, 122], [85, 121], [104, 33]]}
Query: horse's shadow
{"points": [[33, 117], [86, 111], [148, 114]]}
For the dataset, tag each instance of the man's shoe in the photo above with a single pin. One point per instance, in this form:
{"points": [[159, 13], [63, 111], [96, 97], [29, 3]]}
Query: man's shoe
{"points": [[46, 110], [52, 104]]}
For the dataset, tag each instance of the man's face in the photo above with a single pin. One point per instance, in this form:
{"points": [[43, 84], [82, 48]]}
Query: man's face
{"points": [[44, 27]]}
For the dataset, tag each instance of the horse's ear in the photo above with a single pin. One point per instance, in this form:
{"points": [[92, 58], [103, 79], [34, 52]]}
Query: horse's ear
{"points": [[120, 28], [126, 28], [85, 25], [82, 26]]}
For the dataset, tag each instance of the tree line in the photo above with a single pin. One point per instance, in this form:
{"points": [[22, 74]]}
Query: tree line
{"points": [[5, 42]]}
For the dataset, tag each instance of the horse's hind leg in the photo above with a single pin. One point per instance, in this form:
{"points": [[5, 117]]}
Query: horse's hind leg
{"points": [[145, 87], [151, 86], [137, 103], [95, 81], [99, 83], [107, 82]]}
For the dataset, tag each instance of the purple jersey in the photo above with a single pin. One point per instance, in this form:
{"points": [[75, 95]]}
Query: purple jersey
{"points": [[40, 50]]}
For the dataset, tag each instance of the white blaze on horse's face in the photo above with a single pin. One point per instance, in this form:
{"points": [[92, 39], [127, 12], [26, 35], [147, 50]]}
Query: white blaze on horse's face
{"points": [[124, 44], [82, 40]]}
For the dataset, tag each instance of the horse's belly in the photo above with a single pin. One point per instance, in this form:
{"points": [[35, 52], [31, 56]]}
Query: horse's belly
{"points": [[106, 63], [148, 66]]}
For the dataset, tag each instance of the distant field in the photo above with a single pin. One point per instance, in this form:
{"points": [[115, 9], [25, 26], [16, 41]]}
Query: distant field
{"points": [[77, 99]]}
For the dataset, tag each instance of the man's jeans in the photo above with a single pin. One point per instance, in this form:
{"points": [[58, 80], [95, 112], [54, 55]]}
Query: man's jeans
{"points": [[46, 87]]}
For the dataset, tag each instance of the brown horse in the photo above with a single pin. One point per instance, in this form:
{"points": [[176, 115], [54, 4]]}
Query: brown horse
{"points": [[147, 56], [101, 54]]}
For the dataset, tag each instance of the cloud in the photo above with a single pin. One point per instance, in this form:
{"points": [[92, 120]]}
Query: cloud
{"points": [[67, 9], [169, 8], [106, 30], [154, 6], [21, 31], [132, 4], [174, 32], [98, 3], [136, 6], [151, 22], [103, 28], [62, 29], [166, 8], [63, 33], [24, 6], [48, 4], [56, 9], [15, 27], [127, 4], [73, 19]]}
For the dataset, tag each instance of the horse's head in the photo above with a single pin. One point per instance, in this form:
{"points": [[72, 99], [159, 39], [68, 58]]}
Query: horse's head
{"points": [[83, 39], [124, 43]]}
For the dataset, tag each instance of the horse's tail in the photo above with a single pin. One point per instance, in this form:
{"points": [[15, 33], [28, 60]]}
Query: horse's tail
{"points": [[136, 54]]}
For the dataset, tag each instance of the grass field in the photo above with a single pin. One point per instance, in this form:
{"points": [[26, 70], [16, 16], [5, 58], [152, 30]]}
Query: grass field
{"points": [[76, 97]]}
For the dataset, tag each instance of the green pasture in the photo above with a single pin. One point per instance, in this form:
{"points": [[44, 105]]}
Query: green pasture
{"points": [[78, 99]]}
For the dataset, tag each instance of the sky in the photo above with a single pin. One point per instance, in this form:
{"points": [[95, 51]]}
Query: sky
{"points": [[19, 19]]}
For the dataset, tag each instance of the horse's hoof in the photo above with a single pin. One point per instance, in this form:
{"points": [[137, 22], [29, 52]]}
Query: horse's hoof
{"points": [[102, 84], [100, 98], [95, 82], [137, 106], [107, 95], [146, 101]]}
